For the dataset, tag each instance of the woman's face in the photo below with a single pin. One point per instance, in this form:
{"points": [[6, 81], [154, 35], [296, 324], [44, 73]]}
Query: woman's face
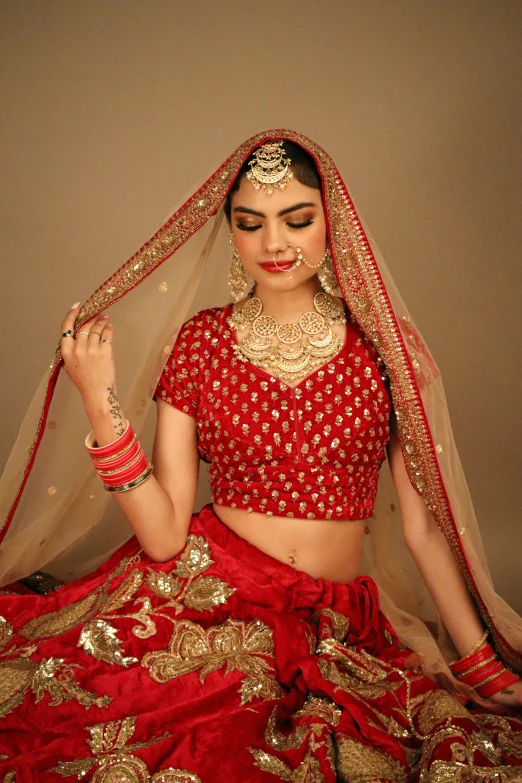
{"points": [[269, 227]]}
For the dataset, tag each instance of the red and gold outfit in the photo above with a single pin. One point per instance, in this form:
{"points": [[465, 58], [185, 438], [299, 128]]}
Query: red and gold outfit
{"points": [[312, 451], [225, 664]]}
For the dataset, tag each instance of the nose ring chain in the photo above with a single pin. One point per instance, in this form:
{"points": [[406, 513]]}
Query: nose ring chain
{"points": [[299, 260]]}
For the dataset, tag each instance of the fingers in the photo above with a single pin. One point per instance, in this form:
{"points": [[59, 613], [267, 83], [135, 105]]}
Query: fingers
{"points": [[90, 332], [107, 336], [68, 322]]}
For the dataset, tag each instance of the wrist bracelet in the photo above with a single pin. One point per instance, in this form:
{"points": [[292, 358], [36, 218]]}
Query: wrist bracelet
{"points": [[121, 465], [147, 473]]}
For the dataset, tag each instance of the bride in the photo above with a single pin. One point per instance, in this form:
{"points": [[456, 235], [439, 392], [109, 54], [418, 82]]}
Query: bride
{"points": [[242, 642]]}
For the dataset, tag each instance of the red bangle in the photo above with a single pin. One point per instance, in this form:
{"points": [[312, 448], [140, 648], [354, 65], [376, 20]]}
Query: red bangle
{"points": [[460, 666], [477, 676], [124, 469], [147, 473], [477, 666], [504, 679], [118, 462], [111, 449], [124, 476]]}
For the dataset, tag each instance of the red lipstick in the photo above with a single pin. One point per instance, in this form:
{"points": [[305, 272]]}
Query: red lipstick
{"points": [[282, 266]]}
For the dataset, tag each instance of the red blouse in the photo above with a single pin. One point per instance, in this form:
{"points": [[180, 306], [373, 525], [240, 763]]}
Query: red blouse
{"points": [[313, 451]]}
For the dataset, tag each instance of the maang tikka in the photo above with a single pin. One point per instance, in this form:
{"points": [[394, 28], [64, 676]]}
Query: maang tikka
{"points": [[270, 168], [237, 279]]}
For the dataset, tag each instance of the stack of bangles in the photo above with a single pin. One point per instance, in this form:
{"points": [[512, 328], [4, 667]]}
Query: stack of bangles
{"points": [[481, 670], [121, 465]]}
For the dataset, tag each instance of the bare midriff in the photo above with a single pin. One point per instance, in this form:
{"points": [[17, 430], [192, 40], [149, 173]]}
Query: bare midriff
{"points": [[324, 549]]}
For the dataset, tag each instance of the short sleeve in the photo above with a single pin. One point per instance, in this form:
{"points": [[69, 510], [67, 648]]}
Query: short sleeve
{"points": [[179, 381]]}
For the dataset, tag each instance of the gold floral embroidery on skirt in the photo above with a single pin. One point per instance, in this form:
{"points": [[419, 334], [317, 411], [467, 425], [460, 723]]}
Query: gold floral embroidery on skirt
{"points": [[115, 759], [234, 644], [52, 676], [184, 588], [360, 763]]}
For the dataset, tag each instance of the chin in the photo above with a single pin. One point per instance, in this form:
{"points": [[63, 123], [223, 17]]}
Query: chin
{"points": [[282, 282], [279, 285]]}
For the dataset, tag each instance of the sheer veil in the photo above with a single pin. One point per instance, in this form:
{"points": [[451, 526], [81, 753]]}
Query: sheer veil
{"points": [[56, 515]]}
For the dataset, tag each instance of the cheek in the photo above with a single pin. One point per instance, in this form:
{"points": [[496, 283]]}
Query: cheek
{"points": [[246, 243], [316, 241]]}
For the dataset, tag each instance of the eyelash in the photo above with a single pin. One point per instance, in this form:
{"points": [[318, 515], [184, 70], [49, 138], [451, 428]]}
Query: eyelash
{"points": [[292, 225]]}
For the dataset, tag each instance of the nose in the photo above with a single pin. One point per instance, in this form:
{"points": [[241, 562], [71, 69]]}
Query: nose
{"points": [[275, 240]]}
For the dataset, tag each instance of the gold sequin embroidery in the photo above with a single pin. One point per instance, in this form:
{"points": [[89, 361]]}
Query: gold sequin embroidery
{"points": [[115, 760], [233, 644]]}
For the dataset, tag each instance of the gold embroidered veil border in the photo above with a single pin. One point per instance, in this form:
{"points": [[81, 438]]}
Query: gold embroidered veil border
{"points": [[65, 522]]}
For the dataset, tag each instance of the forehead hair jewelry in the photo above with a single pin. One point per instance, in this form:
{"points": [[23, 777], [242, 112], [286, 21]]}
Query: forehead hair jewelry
{"points": [[270, 168]]}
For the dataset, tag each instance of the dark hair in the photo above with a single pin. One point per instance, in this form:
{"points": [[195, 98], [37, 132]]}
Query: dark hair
{"points": [[302, 165]]}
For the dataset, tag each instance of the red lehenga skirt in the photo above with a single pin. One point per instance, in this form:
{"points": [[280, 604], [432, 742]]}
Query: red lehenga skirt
{"points": [[226, 665]]}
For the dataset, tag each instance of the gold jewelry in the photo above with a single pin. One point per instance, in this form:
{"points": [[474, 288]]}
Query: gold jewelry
{"points": [[489, 679], [298, 348], [326, 274], [127, 465], [147, 473], [478, 665], [111, 457], [237, 279], [270, 168], [82, 333], [302, 260], [478, 645]]}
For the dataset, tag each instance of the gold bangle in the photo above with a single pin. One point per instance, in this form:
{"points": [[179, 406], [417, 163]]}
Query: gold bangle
{"points": [[127, 465], [488, 679], [147, 473], [477, 666], [118, 453], [478, 645]]}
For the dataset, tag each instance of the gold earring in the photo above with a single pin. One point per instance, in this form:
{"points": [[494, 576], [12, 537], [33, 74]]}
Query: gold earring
{"points": [[326, 274], [237, 279]]}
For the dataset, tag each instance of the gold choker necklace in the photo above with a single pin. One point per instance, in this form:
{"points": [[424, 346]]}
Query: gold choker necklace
{"points": [[288, 351]]}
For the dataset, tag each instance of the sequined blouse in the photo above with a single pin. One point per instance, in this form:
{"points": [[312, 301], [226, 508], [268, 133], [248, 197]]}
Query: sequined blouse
{"points": [[312, 451]]}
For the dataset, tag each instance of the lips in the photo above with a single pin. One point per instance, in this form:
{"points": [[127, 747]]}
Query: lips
{"points": [[282, 266]]}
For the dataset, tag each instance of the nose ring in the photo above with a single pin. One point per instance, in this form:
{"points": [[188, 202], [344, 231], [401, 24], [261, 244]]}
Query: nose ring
{"points": [[299, 260], [302, 260]]}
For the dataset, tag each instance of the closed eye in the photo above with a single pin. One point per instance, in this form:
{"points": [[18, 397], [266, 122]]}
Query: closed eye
{"points": [[301, 225], [242, 227]]}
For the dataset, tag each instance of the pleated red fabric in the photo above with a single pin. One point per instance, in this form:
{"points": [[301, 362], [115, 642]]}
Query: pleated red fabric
{"points": [[224, 664]]}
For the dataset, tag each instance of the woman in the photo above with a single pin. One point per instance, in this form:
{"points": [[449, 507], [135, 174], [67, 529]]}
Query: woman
{"points": [[240, 643]]}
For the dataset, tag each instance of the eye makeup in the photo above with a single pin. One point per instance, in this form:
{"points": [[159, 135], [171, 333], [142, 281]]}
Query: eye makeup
{"points": [[245, 226]]}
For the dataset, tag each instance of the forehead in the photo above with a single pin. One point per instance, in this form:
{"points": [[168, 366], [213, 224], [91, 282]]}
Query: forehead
{"points": [[294, 193]]}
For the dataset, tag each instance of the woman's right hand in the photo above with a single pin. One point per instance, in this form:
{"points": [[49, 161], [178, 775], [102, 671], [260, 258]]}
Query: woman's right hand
{"points": [[88, 356]]}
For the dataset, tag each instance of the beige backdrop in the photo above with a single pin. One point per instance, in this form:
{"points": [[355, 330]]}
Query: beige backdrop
{"points": [[113, 109]]}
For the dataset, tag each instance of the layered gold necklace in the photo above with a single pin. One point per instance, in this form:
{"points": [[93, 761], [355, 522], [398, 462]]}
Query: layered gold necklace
{"points": [[288, 351]]}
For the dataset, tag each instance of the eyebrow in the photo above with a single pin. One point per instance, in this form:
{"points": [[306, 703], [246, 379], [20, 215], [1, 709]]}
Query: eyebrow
{"points": [[279, 214]]}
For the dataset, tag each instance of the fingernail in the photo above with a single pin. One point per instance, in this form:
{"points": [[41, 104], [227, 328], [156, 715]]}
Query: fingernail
{"points": [[74, 306]]}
